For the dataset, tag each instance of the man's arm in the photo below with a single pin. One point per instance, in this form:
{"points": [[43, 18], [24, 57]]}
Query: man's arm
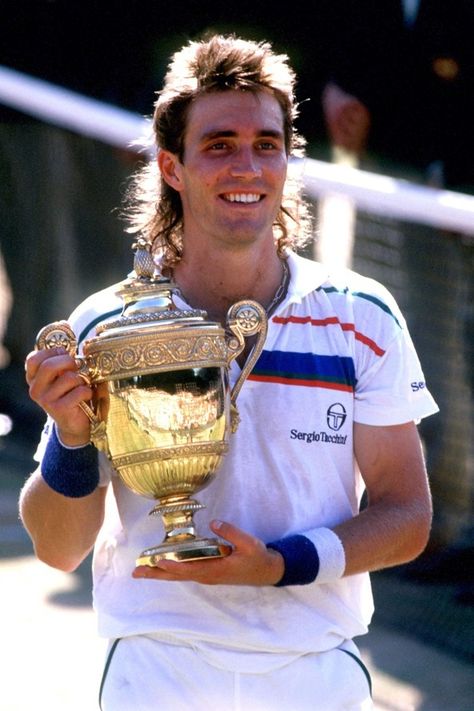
{"points": [[393, 529], [63, 529]]}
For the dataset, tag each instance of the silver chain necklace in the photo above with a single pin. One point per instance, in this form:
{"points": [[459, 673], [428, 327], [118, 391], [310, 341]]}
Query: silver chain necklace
{"points": [[281, 292]]}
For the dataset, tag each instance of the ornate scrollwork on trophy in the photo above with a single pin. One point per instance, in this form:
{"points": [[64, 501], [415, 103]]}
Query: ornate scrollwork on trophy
{"points": [[149, 352], [150, 318], [204, 449]]}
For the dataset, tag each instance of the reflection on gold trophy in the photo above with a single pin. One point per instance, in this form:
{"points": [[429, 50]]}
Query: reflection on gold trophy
{"points": [[165, 409]]}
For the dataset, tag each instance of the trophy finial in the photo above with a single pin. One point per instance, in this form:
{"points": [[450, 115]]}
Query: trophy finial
{"points": [[143, 262]]}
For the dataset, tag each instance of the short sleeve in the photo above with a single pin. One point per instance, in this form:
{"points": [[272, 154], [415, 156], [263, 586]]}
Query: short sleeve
{"points": [[393, 390]]}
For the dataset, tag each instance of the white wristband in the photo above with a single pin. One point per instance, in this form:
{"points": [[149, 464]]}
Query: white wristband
{"points": [[332, 558]]}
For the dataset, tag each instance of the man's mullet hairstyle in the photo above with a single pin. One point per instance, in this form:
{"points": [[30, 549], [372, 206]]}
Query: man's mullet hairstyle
{"points": [[218, 63]]}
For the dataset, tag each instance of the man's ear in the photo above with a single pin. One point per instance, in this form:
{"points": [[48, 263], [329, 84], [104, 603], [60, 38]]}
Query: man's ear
{"points": [[170, 169]]}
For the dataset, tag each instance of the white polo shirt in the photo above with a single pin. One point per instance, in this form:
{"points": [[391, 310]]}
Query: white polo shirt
{"points": [[337, 352]]}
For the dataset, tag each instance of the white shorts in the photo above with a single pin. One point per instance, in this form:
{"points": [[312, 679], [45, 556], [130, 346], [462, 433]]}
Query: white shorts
{"points": [[143, 674]]}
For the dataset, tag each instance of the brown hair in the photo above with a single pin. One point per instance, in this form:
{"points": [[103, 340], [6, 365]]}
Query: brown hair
{"points": [[220, 63]]}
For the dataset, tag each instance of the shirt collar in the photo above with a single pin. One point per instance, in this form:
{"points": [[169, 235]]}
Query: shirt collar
{"points": [[306, 276]]}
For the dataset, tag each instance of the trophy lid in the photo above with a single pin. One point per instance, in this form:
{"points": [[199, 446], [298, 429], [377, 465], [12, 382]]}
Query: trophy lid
{"points": [[147, 298], [153, 333]]}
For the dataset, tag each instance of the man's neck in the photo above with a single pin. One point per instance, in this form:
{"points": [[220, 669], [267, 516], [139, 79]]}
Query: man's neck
{"points": [[215, 282]]}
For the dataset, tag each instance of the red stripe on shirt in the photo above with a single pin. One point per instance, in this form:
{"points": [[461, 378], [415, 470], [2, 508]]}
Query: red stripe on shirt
{"points": [[331, 321], [299, 381]]}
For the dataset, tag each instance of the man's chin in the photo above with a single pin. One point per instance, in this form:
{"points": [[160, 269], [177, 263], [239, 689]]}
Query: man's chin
{"points": [[246, 231]]}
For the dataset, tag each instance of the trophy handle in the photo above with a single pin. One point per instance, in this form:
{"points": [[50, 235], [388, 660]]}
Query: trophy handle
{"points": [[245, 319], [60, 334]]}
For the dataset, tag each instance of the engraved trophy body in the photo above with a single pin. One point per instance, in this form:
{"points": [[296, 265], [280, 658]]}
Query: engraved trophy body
{"points": [[166, 410]]}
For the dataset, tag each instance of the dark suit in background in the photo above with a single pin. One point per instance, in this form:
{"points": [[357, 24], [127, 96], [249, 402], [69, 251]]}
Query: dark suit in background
{"points": [[416, 79]]}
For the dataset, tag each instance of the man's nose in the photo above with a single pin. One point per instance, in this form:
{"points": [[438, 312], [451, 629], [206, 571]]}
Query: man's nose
{"points": [[245, 164]]}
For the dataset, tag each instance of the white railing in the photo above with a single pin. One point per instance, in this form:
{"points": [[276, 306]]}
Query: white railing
{"points": [[70, 110], [371, 192]]}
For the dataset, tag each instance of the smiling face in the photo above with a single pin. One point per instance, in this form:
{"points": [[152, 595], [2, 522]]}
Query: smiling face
{"points": [[233, 171]]}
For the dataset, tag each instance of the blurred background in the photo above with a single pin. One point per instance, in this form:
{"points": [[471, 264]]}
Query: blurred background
{"points": [[386, 92]]}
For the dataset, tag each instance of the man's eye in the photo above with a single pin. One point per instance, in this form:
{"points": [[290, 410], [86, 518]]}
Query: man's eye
{"points": [[267, 145], [219, 146]]}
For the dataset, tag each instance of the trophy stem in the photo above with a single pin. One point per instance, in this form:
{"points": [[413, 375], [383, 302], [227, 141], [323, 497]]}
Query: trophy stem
{"points": [[177, 513], [181, 542]]}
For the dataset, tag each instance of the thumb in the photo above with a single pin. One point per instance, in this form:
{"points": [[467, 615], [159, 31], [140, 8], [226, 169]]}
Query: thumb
{"points": [[238, 538]]}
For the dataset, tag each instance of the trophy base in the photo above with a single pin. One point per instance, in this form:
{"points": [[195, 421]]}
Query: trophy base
{"points": [[195, 549]]}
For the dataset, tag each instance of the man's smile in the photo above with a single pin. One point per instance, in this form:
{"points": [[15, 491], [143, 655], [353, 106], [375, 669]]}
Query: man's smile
{"points": [[242, 197]]}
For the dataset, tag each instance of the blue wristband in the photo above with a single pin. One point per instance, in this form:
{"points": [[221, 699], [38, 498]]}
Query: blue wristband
{"points": [[70, 472], [301, 560]]}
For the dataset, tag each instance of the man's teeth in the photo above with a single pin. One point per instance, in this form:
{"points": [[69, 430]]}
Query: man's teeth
{"points": [[242, 197]]}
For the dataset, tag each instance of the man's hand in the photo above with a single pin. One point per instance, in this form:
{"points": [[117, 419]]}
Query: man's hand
{"points": [[347, 119], [56, 386], [250, 563]]}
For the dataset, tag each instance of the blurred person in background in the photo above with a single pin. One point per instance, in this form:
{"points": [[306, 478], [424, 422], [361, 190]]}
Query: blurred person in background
{"points": [[401, 86], [400, 100]]}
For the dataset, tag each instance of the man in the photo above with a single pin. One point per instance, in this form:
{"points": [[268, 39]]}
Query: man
{"points": [[328, 409]]}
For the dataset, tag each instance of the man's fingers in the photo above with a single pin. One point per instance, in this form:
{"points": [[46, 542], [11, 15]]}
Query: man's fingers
{"points": [[50, 386], [58, 388], [35, 359], [48, 364], [199, 571]]}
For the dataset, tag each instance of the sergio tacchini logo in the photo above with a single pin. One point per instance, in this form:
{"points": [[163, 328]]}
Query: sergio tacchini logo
{"points": [[336, 416]]}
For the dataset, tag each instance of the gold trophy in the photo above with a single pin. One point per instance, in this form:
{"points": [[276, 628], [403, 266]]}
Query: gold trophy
{"points": [[164, 410]]}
